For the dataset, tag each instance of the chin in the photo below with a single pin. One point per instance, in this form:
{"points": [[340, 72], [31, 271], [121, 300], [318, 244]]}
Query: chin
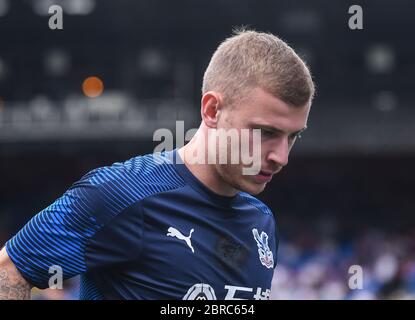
{"points": [[253, 188]]}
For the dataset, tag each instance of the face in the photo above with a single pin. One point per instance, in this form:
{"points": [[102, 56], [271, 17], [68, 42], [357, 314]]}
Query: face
{"points": [[280, 126]]}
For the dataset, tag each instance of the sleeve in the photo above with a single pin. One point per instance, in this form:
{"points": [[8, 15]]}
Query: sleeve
{"points": [[59, 234], [277, 241]]}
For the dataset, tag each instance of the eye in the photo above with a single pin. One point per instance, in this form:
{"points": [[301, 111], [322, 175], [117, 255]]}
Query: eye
{"points": [[267, 133]]}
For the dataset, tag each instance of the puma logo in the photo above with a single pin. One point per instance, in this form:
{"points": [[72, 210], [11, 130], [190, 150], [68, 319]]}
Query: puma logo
{"points": [[173, 232]]}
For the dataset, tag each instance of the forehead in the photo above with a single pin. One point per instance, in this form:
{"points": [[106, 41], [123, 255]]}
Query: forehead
{"points": [[261, 107]]}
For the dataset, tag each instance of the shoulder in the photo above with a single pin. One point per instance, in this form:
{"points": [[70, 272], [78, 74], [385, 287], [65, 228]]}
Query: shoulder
{"points": [[262, 207], [154, 169], [114, 188]]}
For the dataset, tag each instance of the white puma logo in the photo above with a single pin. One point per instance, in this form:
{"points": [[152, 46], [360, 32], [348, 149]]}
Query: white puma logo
{"points": [[173, 232]]}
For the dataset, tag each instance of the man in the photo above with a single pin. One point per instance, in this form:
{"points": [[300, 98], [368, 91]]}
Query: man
{"points": [[151, 229]]}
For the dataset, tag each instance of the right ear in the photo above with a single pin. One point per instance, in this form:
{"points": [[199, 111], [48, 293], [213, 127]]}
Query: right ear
{"points": [[211, 105]]}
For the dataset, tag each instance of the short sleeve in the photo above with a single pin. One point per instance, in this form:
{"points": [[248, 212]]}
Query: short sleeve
{"points": [[58, 235]]}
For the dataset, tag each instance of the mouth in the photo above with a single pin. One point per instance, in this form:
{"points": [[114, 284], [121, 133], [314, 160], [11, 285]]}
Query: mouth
{"points": [[264, 176]]}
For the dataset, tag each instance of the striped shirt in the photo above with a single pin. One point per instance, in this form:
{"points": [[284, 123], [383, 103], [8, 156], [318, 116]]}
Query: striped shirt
{"points": [[147, 228]]}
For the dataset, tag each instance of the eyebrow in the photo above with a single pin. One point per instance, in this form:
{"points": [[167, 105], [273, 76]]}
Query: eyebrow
{"points": [[275, 129]]}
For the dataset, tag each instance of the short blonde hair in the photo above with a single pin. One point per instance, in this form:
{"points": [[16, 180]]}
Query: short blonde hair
{"points": [[249, 59]]}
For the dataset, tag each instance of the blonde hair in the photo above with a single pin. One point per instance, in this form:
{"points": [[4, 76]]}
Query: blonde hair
{"points": [[250, 59]]}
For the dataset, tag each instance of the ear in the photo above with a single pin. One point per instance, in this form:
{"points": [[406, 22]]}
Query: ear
{"points": [[211, 105]]}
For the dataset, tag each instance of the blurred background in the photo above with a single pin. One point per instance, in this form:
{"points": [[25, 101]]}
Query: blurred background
{"points": [[93, 93]]}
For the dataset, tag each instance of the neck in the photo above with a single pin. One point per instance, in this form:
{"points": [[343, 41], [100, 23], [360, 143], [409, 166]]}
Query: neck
{"points": [[205, 173]]}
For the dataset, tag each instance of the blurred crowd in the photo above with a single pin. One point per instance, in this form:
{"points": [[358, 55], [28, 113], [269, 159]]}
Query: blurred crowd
{"points": [[313, 268]]}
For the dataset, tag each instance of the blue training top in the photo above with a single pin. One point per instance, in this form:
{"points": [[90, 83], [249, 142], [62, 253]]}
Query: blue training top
{"points": [[149, 229]]}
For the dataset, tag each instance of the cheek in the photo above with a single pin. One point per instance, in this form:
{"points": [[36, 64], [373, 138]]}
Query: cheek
{"points": [[227, 121], [267, 146], [255, 142], [233, 172]]}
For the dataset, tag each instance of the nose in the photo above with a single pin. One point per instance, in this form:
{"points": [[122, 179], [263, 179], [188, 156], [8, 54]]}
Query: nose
{"points": [[280, 152]]}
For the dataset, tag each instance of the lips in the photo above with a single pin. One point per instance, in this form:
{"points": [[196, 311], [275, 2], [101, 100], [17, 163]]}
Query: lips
{"points": [[264, 176]]}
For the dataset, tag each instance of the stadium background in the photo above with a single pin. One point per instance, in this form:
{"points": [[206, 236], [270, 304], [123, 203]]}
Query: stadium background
{"points": [[347, 196]]}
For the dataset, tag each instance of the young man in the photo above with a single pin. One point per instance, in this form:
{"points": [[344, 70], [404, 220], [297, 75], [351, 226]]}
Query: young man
{"points": [[151, 229]]}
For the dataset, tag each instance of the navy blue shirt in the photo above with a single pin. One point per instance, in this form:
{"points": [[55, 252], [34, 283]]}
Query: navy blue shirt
{"points": [[149, 229]]}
